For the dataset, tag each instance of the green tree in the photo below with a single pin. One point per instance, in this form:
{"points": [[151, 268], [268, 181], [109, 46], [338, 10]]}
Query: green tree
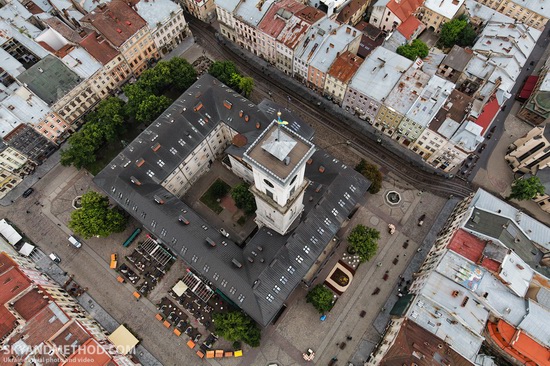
{"points": [[467, 36], [526, 188], [235, 326], [151, 107], [135, 95], [244, 199], [109, 117], [157, 79], [182, 72], [219, 188], [80, 151], [450, 32], [95, 218], [223, 71], [417, 48], [372, 173], [246, 85], [321, 298], [364, 242]]}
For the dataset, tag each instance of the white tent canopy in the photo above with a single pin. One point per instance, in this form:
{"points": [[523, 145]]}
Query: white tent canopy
{"points": [[27, 249], [9, 233], [179, 288]]}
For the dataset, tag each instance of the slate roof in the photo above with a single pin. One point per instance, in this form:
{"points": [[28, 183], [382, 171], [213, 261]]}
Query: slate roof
{"points": [[259, 288]]}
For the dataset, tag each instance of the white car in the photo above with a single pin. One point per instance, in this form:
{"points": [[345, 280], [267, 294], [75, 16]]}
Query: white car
{"points": [[224, 233]]}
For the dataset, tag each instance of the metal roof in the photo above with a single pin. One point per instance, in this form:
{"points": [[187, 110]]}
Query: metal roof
{"points": [[379, 73], [537, 323], [259, 288]]}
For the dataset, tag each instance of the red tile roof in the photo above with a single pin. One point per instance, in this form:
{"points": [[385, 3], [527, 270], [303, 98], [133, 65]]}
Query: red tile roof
{"points": [[350, 9], [404, 8], [89, 354], [271, 23], [7, 321], [310, 15], [30, 304], [12, 283], [99, 48], [345, 66], [488, 114], [410, 27], [74, 335], [116, 21], [467, 245], [518, 345], [6, 262]]}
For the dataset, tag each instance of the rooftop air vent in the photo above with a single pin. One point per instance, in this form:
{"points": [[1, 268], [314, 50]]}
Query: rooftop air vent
{"points": [[158, 199], [135, 180], [236, 263]]}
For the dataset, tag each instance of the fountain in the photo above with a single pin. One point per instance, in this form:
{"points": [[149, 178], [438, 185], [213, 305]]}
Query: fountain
{"points": [[393, 198]]}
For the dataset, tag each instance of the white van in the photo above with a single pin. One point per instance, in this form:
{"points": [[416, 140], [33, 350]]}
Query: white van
{"points": [[74, 241]]}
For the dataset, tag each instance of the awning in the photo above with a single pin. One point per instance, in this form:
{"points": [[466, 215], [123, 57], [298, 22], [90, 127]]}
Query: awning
{"points": [[209, 354], [238, 353], [219, 353], [26, 250], [190, 344], [528, 87], [123, 340], [9, 233], [179, 288]]}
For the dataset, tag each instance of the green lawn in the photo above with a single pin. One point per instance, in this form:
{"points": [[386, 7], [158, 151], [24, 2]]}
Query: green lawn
{"points": [[211, 200]]}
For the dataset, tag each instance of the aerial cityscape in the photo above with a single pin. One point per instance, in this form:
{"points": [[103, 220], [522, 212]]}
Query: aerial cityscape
{"points": [[274, 182]]}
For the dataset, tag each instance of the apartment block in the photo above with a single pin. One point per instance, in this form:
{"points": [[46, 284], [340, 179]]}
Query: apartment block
{"points": [[389, 14], [481, 282], [166, 22], [435, 13], [204, 10], [224, 13], [339, 75], [248, 15], [353, 12], [271, 26], [42, 322], [531, 152], [454, 63], [400, 100], [341, 39], [126, 31], [373, 82], [11, 159], [427, 104], [532, 13]]}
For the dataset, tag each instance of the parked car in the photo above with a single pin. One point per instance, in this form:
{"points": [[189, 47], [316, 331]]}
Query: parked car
{"points": [[74, 241], [54, 257], [224, 233], [493, 129], [482, 147], [28, 192], [421, 220]]}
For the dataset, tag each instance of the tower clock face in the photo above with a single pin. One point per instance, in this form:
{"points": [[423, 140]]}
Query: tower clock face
{"points": [[269, 183]]}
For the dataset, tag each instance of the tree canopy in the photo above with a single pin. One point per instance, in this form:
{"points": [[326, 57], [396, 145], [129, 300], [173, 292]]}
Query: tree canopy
{"points": [[363, 241], [151, 107], [244, 199], [457, 31], [95, 218], [526, 188], [372, 173], [416, 49], [321, 298], [102, 126], [227, 73], [237, 326]]}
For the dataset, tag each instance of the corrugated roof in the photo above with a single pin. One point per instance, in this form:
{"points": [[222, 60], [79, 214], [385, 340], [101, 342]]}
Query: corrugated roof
{"points": [[345, 66], [180, 129]]}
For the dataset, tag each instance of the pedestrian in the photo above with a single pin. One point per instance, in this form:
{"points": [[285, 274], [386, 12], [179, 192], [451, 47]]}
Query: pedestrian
{"points": [[28, 211]]}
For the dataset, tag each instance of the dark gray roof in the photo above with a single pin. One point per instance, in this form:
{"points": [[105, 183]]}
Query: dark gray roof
{"points": [[457, 58], [259, 288], [50, 79]]}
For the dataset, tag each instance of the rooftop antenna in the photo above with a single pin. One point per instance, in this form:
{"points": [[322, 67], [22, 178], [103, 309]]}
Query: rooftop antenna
{"points": [[279, 124]]}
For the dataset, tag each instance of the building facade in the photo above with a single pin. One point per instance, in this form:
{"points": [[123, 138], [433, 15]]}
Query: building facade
{"points": [[529, 12], [531, 152], [204, 10], [536, 109], [434, 13], [339, 76]]}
